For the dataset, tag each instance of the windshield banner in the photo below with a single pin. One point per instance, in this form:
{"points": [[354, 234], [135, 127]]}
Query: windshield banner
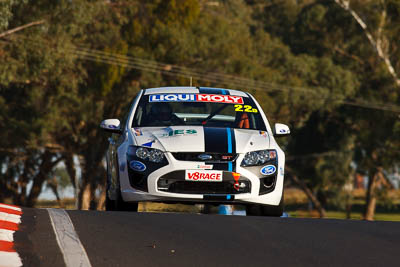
{"points": [[196, 98]]}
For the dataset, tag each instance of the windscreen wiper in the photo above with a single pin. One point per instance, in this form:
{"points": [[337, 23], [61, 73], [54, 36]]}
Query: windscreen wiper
{"points": [[213, 114]]}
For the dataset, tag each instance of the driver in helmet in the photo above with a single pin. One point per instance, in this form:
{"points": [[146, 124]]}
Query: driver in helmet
{"points": [[161, 115]]}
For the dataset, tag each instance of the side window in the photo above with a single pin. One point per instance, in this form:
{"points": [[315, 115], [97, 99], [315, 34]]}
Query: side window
{"points": [[138, 116], [125, 118]]}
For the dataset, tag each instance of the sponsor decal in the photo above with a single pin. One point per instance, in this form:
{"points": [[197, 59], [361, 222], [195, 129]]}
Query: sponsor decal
{"points": [[203, 176], [272, 154], [171, 132], [245, 108], [205, 167], [137, 132], [236, 177], [282, 171], [268, 170], [109, 126], [263, 133], [196, 98], [148, 144], [219, 140], [137, 166], [204, 157]]}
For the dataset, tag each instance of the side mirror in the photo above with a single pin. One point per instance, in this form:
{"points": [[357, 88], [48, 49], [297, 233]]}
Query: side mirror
{"points": [[281, 130], [111, 125]]}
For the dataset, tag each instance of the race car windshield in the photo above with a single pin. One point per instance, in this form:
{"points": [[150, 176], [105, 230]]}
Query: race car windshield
{"points": [[198, 110]]}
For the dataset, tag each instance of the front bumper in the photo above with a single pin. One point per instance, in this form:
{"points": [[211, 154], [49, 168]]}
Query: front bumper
{"points": [[167, 184]]}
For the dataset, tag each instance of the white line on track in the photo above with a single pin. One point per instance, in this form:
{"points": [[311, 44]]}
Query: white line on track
{"points": [[71, 247]]}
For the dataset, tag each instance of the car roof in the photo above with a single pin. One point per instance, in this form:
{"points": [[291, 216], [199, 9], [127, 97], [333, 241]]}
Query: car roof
{"points": [[194, 90]]}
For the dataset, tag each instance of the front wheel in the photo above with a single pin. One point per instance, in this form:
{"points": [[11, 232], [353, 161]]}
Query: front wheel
{"points": [[273, 211], [119, 204], [265, 210], [110, 204]]}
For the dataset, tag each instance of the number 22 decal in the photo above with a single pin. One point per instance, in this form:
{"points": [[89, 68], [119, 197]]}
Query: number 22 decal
{"points": [[247, 108]]}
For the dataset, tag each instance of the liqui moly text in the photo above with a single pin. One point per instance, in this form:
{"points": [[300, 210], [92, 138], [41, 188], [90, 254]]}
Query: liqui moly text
{"points": [[196, 98]]}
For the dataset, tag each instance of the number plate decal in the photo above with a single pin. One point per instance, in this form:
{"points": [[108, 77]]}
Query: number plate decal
{"points": [[203, 176]]}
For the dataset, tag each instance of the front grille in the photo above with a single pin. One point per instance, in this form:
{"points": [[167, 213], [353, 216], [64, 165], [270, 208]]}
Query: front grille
{"points": [[189, 187], [216, 157]]}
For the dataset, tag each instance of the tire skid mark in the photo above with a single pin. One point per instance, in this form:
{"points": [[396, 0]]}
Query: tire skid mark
{"points": [[10, 218]]}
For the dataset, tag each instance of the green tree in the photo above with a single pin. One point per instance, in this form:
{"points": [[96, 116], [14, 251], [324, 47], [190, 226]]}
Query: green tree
{"points": [[325, 29], [36, 81], [305, 61]]}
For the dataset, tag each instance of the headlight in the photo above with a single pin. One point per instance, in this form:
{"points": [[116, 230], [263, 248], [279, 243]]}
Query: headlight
{"points": [[142, 153], [151, 154], [156, 155], [255, 158]]}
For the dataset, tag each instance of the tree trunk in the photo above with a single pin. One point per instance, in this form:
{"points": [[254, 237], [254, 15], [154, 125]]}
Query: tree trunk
{"points": [[38, 181], [309, 193], [348, 207], [69, 164], [21, 28], [93, 173], [371, 197], [102, 200], [84, 197], [54, 188], [376, 42], [348, 190], [8, 186], [22, 183], [87, 196]]}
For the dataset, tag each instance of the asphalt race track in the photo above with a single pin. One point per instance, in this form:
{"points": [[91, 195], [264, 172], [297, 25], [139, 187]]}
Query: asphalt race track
{"points": [[181, 239]]}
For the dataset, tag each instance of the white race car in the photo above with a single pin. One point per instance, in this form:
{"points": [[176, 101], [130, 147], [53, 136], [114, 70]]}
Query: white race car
{"points": [[195, 145]]}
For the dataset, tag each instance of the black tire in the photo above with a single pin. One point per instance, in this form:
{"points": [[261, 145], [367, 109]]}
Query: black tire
{"points": [[265, 210], [121, 205], [272, 211], [206, 209], [110, 204], [253, 210]]}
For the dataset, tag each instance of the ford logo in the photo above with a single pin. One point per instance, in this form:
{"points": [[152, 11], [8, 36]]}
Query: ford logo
{"points": [[268, 170], [204, 157], [137, 166]]}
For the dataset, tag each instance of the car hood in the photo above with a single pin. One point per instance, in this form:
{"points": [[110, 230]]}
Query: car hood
{"points": [[201, 139]]}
